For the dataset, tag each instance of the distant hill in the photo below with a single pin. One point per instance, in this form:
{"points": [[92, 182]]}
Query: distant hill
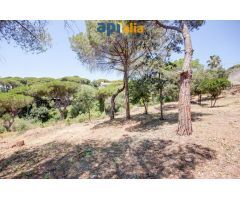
{"points": [[234, 74]]}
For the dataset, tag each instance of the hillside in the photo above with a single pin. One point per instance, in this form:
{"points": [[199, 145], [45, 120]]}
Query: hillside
{"points": [[144, 147]]}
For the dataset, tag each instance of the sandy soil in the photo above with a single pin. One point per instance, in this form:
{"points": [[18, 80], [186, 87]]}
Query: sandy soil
{"points": [[143, 147]]}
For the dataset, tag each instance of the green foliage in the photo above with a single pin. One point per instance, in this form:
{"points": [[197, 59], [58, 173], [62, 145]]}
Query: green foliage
{"points": [[21, 125], [214, 87], [198, 77], [75, 110], [54, 114], [12, 103], [102, 52], [59, 92], [76, 79], [40, 113], [105, 92], [140, 91], [30, 35], [195, 64], [24, 90], [8, 83], [214, 62], [217, 73], [85, 99], [2, 129], [85, 116], [55, 89], [170, 92]]}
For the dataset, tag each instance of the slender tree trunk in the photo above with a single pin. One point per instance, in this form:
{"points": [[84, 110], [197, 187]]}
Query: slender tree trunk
{"points": [[184, 119], [126, 93], [112, 110], [200, 99], [161, 103], [215, 100], [63, 113], [145, 108], [8, 124]]}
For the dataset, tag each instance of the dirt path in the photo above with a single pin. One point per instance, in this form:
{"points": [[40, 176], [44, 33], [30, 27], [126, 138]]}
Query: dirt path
{"points": [[143, 147]]}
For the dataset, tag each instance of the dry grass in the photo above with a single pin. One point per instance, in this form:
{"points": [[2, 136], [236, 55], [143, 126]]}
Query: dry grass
{"points": [[143, 147]]}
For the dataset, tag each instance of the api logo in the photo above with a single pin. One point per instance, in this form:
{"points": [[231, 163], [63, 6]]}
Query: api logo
{"points": [[110, 28]]}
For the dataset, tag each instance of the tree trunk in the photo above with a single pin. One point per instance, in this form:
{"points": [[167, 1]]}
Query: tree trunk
{"points": [[184, 119], [126, 93], [63, 113], [145, 108], [200, 99], [215, 100], [112, 110], [161, 103], [8, 124]]}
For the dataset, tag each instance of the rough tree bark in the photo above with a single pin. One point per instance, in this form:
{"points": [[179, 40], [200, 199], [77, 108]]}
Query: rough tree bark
{"points": [[184, 119], [112, 110]]}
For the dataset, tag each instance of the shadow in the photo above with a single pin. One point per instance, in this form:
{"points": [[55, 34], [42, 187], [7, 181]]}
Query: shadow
{"points": [[146, 122], [167, 107], [123, 159]]}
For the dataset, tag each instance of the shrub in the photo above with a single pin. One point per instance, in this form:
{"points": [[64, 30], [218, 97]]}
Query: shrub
{"points": [[85, 99], [54, 114], [170, 92], [21, 125], [41, 114], [94, 115], [214, 87], [2, 129], [13, 104]]}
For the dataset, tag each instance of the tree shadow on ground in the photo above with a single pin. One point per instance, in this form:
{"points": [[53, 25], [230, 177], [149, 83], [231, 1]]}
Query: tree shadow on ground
{"points": [[126, 158], [146, 122]]}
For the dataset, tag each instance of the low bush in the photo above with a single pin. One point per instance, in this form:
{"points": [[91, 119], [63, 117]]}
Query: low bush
{"points": [[21, 125], [40, 114], [2, 129]]}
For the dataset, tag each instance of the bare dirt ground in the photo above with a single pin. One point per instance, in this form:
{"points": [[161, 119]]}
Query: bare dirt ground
{"points": [[143, 147]]}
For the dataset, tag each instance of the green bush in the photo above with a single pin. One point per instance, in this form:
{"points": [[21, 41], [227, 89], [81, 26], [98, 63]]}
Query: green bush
{"points": [[94, 115], [76, 109], [214, 87], [170, 92], [21, 125], [119, 103], [41, 114], [2, 129], [54, 114]]}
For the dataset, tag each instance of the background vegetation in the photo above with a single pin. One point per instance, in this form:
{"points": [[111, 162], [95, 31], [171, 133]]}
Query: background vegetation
{"points": [[30, 102]]}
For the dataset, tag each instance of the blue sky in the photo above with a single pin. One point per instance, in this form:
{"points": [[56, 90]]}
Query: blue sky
{"points": [[215, 37]]}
